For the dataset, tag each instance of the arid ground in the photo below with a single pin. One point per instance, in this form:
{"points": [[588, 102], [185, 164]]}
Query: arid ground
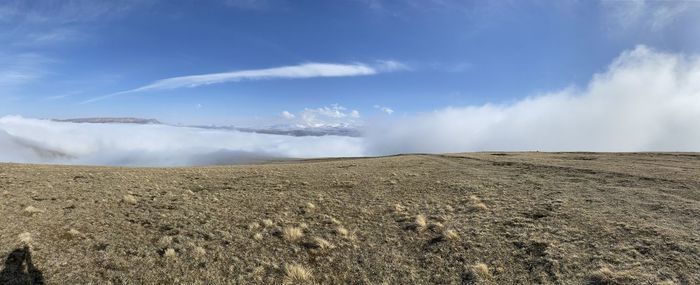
{"points": [[477, 218]]}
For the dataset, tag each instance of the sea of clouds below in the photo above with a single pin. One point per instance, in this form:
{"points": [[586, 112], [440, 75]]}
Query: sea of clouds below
{"points": [[645, 101]]}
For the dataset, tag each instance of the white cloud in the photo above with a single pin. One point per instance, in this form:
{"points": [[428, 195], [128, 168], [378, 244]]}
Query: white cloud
{"points": [[645, 101], [384, 109], [327, 116], [305, 70], [390, 66], [287, 115], [42, 141]]}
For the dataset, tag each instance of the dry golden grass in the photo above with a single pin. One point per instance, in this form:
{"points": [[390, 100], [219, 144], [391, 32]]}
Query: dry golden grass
{"points": [[331, 220], [165, 241], [450, 235], [258, 236], [170, 253], [322, 243], [420, 222], [342, 231], [297, 274], [25, 238], [75, 233], [310, 206], [482, 270], [253, 226], [268, 223], [199, 251], [476, 204], [292, 233], [32, 210], [130, 199], [474, 199], [436, 225], [480, 207]]}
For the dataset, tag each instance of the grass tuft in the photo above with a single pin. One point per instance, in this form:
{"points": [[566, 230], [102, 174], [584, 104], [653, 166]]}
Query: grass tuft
{"points": [[253, 226], [296, 274], [268, 222], [319, 243], [200, 251], [292, 233], [165, 241], [482, 270], [26, 238], [480, 207], [450, 235], [32, 210], [420, 221], [342, 231], [170, 253], [130, 199], [310, 206], [476, 204]]}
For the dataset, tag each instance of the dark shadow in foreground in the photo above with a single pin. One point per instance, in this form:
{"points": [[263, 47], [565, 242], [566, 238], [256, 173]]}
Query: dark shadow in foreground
{"points": [[19, 269]]}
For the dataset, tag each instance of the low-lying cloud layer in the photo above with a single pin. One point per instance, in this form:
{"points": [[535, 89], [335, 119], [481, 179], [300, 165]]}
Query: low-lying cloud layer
{"points": [[645, 101], [43, 141]]}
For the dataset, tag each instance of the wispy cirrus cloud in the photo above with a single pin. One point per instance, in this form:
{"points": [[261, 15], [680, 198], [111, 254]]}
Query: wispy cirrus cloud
{"points": [[648, 15], [304, 70], [17, 69]]}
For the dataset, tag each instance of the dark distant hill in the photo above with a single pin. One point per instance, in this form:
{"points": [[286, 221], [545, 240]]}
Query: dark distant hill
{"points": [[273, 130], [111, 121]]}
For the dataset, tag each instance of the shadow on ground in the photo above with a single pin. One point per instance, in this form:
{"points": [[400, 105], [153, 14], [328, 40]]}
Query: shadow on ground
{"points": [[19, 269]]}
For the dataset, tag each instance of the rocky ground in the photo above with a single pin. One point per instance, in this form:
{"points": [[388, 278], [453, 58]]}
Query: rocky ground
{"points": [[477, 218]]}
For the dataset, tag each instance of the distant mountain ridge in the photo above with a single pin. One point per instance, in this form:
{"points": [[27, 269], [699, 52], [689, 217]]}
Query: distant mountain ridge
{"points": [[286, 130], [111, 120]]}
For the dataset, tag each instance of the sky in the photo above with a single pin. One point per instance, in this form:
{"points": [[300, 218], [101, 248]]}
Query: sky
{"points": [[418, 56], [470, 75]]}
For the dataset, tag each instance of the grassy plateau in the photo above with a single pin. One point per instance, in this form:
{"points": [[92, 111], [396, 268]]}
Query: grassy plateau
{"points": [[474, 218]]}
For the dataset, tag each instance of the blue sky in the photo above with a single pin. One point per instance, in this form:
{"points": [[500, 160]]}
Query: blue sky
{"points": [[63, 59]]}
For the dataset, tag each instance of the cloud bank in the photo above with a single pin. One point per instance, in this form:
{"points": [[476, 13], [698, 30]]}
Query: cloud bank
{"points": [[43, 141], [305, 70], [645, 101]]}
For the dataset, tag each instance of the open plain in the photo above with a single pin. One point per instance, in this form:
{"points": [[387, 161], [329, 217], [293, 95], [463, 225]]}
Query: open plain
{"points": [[475, 218]]}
